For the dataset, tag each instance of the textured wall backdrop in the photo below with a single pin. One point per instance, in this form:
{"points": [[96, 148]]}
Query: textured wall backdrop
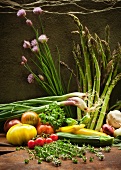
{"points": [[58, 26]]}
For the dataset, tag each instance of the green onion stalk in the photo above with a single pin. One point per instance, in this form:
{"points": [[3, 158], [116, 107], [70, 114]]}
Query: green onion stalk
{"points": [[98, 72], [39, 105], [49, 99]]}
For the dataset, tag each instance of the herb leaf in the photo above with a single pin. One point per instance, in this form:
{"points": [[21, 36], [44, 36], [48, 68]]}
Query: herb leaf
{"points": [[54, 115]]}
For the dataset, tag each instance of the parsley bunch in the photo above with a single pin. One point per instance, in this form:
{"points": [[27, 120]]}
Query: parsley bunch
{"points": [[54, 115]]}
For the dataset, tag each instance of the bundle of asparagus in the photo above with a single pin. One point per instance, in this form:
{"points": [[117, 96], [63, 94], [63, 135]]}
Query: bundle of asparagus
{"points": [[97, 69]]}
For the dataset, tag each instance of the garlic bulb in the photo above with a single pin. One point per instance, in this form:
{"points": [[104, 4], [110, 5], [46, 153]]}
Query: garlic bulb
{"points": [[114, 118]]}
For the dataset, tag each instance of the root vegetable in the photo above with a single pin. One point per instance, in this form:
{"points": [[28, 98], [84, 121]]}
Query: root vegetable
{"points": [[109, 130], [80, 103], [114, 118]]}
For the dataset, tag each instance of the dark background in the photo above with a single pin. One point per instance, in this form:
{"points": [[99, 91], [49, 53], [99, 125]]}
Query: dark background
{"points": [[58, 26]]}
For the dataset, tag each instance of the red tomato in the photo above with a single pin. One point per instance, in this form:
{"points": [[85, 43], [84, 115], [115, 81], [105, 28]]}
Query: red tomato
{"points": [[44, 140], [31, 144], [30, 118], [54, 137], [48, 140], [49, 129], [44, 129], [41, 129], [9, 123], [40, 141]]}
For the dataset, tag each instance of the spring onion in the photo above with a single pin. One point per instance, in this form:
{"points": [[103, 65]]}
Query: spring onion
{"points": [[15, 109]]}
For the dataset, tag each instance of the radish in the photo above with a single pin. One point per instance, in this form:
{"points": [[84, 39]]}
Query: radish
{"points": [[109, 130]]}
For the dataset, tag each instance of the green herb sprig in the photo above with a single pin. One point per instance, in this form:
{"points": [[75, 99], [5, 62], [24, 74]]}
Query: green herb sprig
{"points": [[54, 115], [60, 150]]}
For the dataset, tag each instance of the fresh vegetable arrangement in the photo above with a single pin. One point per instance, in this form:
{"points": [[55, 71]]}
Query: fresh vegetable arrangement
{"points": [[44, 127], [44, 131]]}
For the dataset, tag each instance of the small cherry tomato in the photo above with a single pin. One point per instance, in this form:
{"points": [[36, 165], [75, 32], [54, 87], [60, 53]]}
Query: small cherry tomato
{"points": [[44, 140], [31, 144], [54, 137], [30, 118], [40, 141], [48, 140]]}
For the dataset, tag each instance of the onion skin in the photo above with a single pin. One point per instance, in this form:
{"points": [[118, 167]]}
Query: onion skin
{"points": [[109, 130]]}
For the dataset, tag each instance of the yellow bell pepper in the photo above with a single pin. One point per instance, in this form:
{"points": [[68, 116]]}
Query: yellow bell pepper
{"points": [[20, 134]]}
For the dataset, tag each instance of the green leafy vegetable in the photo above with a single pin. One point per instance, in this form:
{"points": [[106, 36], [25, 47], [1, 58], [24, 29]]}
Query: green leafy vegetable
{"points": [[54, 115], [70, 121]]}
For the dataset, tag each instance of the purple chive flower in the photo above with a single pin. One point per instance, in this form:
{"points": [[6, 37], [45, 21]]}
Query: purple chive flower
{"points": [[30, 78], [24, 60], [34, 43], [37, 10], [21, 13], [26, 44], [35, 49], [29, 22], [43, 38]]}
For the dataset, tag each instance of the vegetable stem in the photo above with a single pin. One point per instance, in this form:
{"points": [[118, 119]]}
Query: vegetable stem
{"points": [[106, 100]]}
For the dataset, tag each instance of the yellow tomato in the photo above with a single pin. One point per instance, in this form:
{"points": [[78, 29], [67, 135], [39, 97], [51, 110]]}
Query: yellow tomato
{"points": [[20, 134]]}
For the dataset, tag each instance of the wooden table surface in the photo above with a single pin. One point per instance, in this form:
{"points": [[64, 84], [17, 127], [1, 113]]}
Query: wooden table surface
{"points": [[11, 159]]}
